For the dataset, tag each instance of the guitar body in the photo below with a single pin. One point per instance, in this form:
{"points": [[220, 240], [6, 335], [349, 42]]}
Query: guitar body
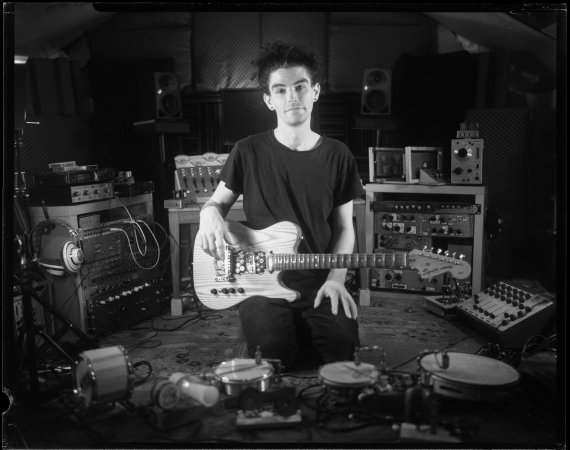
{"points": [[283, 237]]}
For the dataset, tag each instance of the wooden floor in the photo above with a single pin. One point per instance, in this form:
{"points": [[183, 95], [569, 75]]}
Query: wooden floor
{"points": [[403, 328]]}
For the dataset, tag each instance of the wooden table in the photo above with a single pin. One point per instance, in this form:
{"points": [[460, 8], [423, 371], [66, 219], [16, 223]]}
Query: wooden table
{"points": [[190, 215]]}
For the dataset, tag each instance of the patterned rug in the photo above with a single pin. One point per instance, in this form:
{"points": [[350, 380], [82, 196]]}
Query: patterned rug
{"points": [[195, 343]]}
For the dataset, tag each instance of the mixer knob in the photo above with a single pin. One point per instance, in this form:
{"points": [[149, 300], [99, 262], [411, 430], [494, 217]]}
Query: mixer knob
{"points": [[527, 296], [513, 317], [521, 306], [396, 228], [503, 298], [506, 314], [412, 218], [515, 303], [491, 315], [504, 322], [527, 308], [520, 313]]}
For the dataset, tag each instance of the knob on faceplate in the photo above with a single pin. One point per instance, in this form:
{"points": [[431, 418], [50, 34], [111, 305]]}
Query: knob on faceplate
{"points": [[458, 171], [462, 152]]}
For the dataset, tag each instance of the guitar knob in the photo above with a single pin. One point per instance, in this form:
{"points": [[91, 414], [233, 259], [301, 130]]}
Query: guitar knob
{"points": [[241, 290], [214, 291], [232, 291], [225, 291]]}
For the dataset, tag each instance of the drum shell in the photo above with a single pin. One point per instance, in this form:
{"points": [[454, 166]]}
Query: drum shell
{"points": [[110, 376], [335, 382], [464, 390], [240, 381]]}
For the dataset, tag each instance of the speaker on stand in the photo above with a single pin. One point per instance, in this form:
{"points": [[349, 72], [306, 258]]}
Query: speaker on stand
{"points": [[159, 96], [376, 92]]}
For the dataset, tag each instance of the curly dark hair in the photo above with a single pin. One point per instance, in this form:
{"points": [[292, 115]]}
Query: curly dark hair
{"points": [[282, 55]]}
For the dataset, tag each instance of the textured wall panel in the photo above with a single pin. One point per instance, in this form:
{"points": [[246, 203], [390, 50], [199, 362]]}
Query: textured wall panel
{"points": [[305, 28], [505, 135], [55, 139], [225, 45], [353, 48], [146, 44], [55, 87], [379, 18], [136, 20]]}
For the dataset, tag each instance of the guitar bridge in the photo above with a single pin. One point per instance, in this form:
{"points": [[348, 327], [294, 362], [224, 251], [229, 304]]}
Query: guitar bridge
{"points": [[239, 263]]}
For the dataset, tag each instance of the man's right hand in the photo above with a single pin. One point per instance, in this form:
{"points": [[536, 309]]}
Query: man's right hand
{"points": [[212, 231]]}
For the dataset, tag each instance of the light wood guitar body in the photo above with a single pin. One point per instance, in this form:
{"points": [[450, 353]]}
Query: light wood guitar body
{"points": [[255, 260]]}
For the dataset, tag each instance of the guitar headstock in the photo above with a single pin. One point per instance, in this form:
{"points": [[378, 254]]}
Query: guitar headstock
{"points": [[430, 264]]}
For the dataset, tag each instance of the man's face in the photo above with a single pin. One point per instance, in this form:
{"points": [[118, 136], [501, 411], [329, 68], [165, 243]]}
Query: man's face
{"points": [[292, 95]]}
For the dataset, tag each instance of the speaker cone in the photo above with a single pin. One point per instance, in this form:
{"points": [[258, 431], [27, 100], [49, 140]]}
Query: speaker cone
{"points": [[170, 104], [375, 100]]}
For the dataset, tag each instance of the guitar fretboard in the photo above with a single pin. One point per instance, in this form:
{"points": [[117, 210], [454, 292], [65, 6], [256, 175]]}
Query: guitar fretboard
{"points": [[294, 261]]}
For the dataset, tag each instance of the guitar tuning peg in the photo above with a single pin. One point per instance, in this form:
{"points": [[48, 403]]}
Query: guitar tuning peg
{"points": [[439, 250], [425, 247], [461, 257], [454, 253], [431, 250], [446, 253]]}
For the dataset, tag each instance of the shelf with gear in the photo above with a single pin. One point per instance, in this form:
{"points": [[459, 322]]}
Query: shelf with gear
{"points": [[444, 223]]}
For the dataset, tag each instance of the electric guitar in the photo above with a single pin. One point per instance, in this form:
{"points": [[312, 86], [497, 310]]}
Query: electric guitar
{"points": [[255, 259]]}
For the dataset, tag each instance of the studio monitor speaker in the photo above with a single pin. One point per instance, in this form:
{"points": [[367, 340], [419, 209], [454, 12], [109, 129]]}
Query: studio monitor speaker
{"points": [[159, 96], [377, 91]]}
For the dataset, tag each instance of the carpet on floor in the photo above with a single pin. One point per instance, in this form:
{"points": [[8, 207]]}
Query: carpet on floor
{"points": [[197, 343]]}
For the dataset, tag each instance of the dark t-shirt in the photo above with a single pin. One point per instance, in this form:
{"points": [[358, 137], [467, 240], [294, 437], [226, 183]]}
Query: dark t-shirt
{"points": [[280, 184]]}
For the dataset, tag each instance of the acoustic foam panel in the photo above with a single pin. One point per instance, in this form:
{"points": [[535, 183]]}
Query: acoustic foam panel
{"points": [[146, 44], [353, 48], [224, 46], [505, 135]]}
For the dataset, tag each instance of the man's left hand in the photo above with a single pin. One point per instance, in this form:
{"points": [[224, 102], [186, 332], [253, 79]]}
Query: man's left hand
{"points": [[336, 291]]}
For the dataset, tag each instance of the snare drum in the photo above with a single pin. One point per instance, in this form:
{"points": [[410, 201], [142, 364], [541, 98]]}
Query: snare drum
{"points": [[346, 378], [103, 375], [240, 373], [469, 377]]}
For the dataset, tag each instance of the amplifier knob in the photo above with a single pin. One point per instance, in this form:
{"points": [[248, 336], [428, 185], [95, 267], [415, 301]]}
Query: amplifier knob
{"points": [[388, 277], [96, 191], [396, 228], [398, 277], [85, 192], [76, 194]]}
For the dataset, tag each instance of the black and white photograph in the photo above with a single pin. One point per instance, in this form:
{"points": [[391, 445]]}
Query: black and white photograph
{"points": [[266, 225]]}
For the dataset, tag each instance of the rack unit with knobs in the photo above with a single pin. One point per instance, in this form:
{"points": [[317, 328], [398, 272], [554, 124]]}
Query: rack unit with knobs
{"points": [[376, 193]]}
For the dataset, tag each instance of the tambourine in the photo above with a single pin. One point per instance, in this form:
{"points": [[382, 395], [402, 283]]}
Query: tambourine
{"points": [[102, 375], [469, 377], [240, 373], [346, 378]]}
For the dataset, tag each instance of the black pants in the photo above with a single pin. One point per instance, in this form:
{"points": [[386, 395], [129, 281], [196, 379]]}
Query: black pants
{"points": [[276, 325]]}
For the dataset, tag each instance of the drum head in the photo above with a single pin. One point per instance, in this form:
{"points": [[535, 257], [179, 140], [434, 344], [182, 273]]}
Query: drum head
{"points": [[348, 374], [243, 370], [471, 369]]}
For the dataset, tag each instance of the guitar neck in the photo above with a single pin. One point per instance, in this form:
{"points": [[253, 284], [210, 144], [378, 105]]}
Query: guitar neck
{"points": [[294, 261]]}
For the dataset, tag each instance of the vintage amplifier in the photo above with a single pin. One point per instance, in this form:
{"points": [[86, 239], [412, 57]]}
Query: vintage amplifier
{"points": [[63, 195], [74, 177]]}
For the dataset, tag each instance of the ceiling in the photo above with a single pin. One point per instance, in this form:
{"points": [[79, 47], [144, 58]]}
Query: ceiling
{"points": [[44, 29]]}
